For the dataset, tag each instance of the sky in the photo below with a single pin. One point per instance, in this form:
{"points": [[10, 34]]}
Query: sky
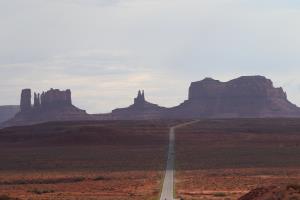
{"points": [[106, 50]]}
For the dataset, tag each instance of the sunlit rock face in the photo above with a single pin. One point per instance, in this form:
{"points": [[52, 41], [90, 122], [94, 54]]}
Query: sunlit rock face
{"points": [[247, 96]]}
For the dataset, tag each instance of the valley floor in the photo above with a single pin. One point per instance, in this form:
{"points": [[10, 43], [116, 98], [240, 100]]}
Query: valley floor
{"points": [[121, 160], [133, 185], [84, 161], [224, 159]]}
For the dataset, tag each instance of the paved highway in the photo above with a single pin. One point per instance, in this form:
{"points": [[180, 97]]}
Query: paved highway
{"points": [[168, 185]]}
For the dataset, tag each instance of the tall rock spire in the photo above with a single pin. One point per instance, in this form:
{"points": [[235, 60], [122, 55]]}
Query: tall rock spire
{"points": [[37, 101], [140, 99], [25, 104]]}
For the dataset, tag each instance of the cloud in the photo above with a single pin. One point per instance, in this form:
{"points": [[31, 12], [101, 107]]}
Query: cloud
{"points": [[105, 50], [99, 3]]}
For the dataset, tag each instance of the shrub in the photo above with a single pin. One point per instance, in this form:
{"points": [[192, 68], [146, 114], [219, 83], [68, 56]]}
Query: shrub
{"points": [[44, 181], [294, 187], [99, 178], [39, 192], [219, 194], [5, 197]]}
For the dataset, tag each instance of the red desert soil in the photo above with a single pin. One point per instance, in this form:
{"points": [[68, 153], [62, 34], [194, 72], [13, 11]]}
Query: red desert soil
{"points": [[225, 159], [113, 160], [284, 192], [83, 185]]}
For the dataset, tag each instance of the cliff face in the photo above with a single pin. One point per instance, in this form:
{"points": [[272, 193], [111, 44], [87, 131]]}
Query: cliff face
{"points": [[248, 96], [256, 87], [52, 105]]}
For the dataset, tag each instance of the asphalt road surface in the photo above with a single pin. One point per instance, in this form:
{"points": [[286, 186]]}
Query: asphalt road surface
{"points": [[168, 186]]}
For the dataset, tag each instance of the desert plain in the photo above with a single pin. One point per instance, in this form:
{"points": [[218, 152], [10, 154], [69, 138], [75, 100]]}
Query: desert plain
{"points": [[121, 160]]}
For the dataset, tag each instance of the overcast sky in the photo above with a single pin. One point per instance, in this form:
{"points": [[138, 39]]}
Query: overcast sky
{"points": [[105, 50]]}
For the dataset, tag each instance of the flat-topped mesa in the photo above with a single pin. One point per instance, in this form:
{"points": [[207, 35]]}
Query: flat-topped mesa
{"points": [[257, 87], [52, 98], [55, 97], [246, 96], [52, 105]]}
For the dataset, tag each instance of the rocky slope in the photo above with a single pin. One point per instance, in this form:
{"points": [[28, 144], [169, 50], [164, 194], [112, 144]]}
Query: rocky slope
{"points": [[289, 192], [8, 112]]}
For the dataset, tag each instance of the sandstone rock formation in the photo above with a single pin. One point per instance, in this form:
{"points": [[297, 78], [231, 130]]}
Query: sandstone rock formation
{"points": [[51, 99], [52, 105], [248, 96], [283, 192], [140, 109], [244, 97], [140, 99]]}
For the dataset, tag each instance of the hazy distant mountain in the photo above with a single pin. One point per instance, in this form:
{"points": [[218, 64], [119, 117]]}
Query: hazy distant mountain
{"points": [[8, 112]]}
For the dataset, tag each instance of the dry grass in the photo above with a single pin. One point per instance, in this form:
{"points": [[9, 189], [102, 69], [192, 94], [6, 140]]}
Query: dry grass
{"points": [[6, 197]]}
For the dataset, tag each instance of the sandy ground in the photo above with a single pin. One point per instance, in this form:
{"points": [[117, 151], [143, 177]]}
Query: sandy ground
{"points": [[134, 185], [230, 183], [224, 159]]}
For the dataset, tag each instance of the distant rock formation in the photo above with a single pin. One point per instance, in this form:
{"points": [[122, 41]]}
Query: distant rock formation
{"points": [[244, 97], [52, 105], [140, 99], [140, 109], [247, 96], [8, 112], [53, 98]]}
